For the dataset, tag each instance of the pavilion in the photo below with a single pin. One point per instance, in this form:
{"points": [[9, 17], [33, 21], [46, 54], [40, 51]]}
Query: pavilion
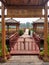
{"points": [[38, 27], [12, 22], [24, 8]]}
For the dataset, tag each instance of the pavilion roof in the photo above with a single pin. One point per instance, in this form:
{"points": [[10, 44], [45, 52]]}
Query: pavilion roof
{"points": [[11, 22], [39, 21], [11, 3]]}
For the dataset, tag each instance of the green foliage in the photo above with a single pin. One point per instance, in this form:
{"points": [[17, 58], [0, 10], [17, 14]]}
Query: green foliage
{"points": [[0, 30], [1, 46], [48, 45], [21, 32], [42, 53], [0, 49], [0, 27], [48, 40]]}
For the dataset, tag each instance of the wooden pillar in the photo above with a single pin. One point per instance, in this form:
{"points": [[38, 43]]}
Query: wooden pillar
{"points": [[17, 28], [3, 34], [35, 27], [45, 32]]}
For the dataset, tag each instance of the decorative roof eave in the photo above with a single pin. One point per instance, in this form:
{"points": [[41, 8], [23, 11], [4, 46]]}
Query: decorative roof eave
{"points": [[24, 6], [24, 3]]}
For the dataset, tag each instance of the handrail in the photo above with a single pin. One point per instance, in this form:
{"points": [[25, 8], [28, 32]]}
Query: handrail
{"points": [[12, 35]]}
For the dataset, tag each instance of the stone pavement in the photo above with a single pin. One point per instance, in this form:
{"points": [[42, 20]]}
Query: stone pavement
{"points": [[24, 60]]}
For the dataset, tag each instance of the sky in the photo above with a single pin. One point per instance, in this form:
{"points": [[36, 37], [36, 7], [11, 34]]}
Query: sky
{"points": [[24, 20]]}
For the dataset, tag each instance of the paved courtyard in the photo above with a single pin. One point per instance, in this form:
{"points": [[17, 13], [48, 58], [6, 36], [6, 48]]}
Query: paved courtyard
{"points": [[24, 60]]}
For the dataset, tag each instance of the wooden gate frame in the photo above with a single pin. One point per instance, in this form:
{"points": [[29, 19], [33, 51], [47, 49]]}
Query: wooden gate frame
{"points": [[4, 33]]}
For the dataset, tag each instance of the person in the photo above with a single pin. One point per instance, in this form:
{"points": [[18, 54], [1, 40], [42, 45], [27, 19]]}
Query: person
{"points": [[31, 33], [34, 34]]}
